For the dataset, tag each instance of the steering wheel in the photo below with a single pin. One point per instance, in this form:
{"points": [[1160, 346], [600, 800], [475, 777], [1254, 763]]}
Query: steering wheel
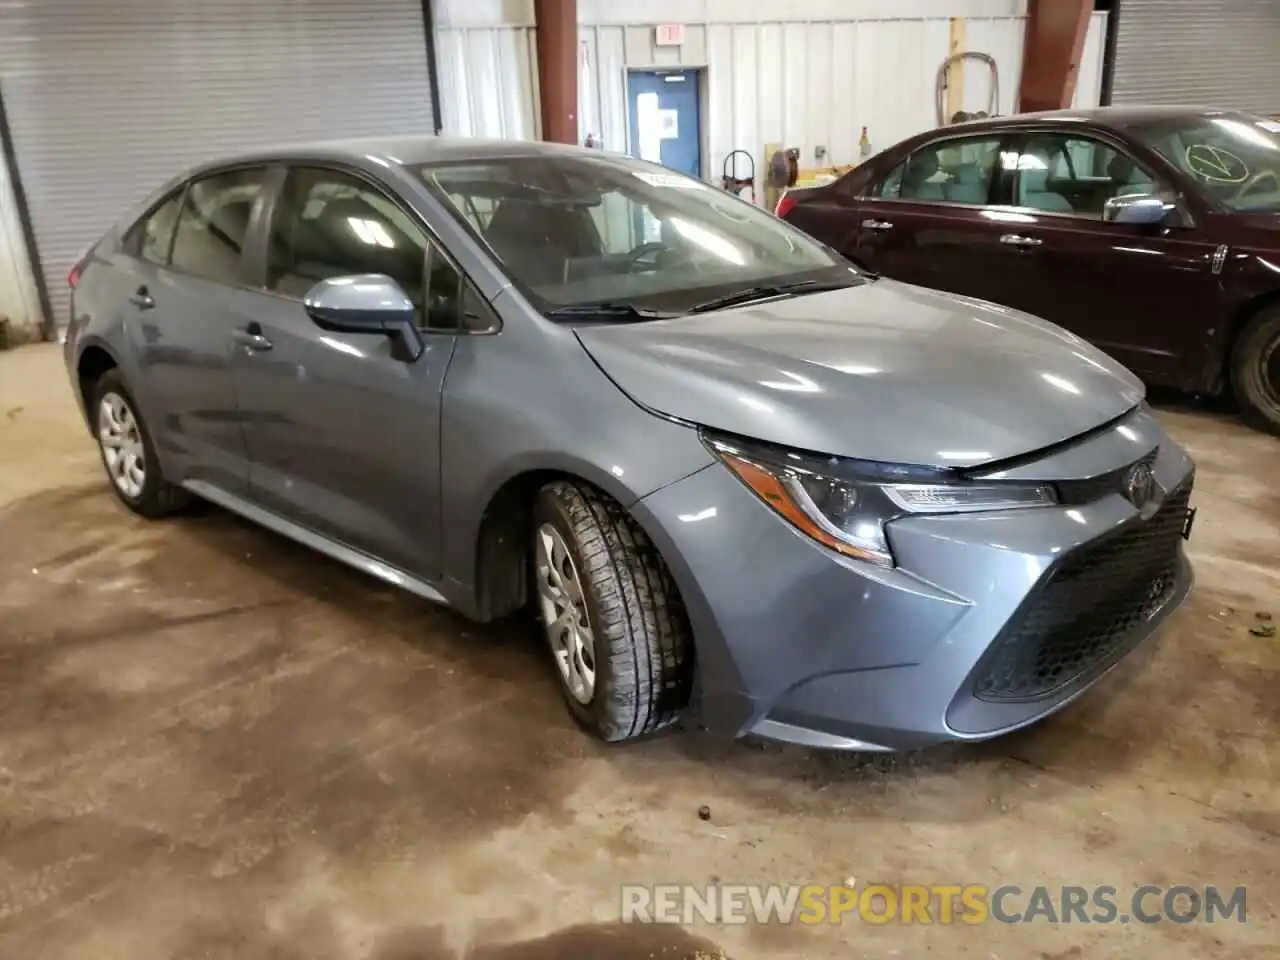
{"points": [[653, 249], [1257, 178]]}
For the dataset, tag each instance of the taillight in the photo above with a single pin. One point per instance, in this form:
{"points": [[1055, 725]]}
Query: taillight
{"points": [[785, 203], [77, 268]]}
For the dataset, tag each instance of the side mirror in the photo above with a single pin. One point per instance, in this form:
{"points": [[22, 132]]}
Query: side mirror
{"points": [[366, 303], [1138, 208]]}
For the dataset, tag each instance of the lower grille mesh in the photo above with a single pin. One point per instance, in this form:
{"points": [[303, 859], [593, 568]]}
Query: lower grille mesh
{"points": [[1088, 607]]}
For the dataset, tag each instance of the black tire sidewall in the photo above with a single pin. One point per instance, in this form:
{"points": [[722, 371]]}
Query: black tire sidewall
{"points": [[1260, 400], [149, 504], [549, 509]]}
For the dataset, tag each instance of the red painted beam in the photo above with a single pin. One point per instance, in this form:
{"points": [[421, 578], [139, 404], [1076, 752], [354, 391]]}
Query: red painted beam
{"points": [[557, 42], [1051, 55]]}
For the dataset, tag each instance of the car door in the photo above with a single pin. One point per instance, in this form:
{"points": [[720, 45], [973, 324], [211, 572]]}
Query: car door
{"points": [[927, 222], [342, 432], [187, 296], [1135, 291]]}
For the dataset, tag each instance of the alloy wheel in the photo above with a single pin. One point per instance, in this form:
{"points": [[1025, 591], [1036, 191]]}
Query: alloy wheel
{"points": [[122, 449], [564, 612]]}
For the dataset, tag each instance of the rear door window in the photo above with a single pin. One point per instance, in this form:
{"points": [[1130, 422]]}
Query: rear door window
{"points": [[214, 224], [960, 170], [151, 237]]}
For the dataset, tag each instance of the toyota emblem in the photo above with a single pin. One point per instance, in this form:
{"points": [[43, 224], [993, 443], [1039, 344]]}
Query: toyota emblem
{"points": [[1139, 484]]}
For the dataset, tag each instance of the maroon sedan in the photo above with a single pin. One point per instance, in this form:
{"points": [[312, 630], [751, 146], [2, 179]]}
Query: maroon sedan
{"points": [[1152, 232]]}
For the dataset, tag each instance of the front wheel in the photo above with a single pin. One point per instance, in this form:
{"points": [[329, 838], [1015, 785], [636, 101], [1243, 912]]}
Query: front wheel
{"points": [[1255, 370], [612, 615]]}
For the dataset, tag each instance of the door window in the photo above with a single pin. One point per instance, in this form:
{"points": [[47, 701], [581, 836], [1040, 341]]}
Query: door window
{"points": [[1073, 174], [953, 171], [214, 223], [331, 224], [151, 237]]}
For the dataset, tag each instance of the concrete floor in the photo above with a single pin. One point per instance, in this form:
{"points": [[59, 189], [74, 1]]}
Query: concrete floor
{"points": [[215, 744]]}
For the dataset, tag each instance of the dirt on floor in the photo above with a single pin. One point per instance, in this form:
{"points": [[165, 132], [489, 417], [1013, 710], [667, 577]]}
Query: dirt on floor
{"points": [[215, 744]]}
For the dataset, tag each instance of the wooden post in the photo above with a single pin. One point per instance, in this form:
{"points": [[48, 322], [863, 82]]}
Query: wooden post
{"points": [[955, 74]]}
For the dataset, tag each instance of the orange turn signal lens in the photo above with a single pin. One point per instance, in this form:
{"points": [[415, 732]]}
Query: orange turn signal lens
{"points": [[773, 491]]}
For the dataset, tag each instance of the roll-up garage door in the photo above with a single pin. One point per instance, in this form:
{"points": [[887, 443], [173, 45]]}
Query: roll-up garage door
{"points": [[106, 99], [1222, 53]]}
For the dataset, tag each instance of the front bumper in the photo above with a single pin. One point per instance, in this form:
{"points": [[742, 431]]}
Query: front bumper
{"points": [[990, 621]]}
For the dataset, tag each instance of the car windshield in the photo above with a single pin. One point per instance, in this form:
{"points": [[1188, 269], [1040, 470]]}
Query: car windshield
{"points": [[1234, 157], [577, 231]]}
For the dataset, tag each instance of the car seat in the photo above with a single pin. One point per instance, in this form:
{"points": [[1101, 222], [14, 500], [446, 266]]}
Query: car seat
{"points": [[534, 240], [967, 185], [1034, 192], [916, 184], [1127, 177]]}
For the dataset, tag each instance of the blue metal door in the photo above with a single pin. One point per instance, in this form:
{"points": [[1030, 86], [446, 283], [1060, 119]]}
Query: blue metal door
{"points": [[665, 126]]}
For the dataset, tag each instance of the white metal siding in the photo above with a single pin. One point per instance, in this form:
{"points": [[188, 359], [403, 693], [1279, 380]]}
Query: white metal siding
{"points": [[18, 302], [803, 84], [108, 98], [1215, 52], [489, 76]]}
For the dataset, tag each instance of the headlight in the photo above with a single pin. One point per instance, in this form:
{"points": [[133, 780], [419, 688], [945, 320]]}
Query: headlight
{"points": [[846, 504]]}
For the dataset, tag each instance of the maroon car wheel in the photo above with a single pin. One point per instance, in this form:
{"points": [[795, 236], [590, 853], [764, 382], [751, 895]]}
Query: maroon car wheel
{"points": [[1255, 369]]}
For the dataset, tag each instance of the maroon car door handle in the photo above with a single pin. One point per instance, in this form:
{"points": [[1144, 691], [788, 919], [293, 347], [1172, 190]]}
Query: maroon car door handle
{"points": [[876, 225], [1017, 240]]}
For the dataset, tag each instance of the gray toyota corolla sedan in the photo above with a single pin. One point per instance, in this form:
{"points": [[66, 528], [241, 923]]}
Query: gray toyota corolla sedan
{"points": [[722, 464]]}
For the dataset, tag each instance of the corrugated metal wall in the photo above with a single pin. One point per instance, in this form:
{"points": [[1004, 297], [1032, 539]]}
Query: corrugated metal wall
{"points": [[1215, 52], [107, 99]]}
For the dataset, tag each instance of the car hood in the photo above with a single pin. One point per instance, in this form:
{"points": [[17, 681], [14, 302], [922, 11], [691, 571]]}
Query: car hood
{"points": [[882, 371]]}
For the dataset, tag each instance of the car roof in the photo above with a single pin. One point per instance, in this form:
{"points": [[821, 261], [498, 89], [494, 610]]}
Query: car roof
{"points": [[1116, 117], [405, 150]]}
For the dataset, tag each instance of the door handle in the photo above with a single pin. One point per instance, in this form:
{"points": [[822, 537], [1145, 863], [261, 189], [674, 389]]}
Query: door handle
{"points": [[1017, 240], [142, 299], [251, 338], [876, 225]]}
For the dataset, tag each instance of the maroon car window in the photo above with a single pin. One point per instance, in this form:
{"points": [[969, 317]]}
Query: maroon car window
{"points": [[953, 171], [1060, 173]]}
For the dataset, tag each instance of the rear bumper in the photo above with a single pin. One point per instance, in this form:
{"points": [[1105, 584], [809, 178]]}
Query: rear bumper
{"points": [[989, 623]]}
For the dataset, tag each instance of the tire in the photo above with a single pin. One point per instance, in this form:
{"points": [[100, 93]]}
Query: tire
{"points": [[638, 637], [1255, 370], [152, 496]]}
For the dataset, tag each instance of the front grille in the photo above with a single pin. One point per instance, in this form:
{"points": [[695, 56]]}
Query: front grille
{"points": [[1088, 607], [1076, 492]]}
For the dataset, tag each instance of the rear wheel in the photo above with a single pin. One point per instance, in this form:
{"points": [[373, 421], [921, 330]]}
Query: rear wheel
{"points": [[128, 454], [613, 618]]}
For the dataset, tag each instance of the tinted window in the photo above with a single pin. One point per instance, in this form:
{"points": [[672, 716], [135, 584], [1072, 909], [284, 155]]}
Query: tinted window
{"points": [[891, 186], [582, 229], [1071, 174], [953, 171], [444, 287], [477, 315], [214, 224], [331, 224], [152, 235], [1235, 158]]}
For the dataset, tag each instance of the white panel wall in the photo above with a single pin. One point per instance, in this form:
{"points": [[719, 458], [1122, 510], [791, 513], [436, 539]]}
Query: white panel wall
{"points": [[1089, 77], [18, 299], [806, 83], [487, 62]]}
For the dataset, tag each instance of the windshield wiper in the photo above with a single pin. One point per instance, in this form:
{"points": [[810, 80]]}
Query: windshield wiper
{"points": [[611, 311], [768, 291]]}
